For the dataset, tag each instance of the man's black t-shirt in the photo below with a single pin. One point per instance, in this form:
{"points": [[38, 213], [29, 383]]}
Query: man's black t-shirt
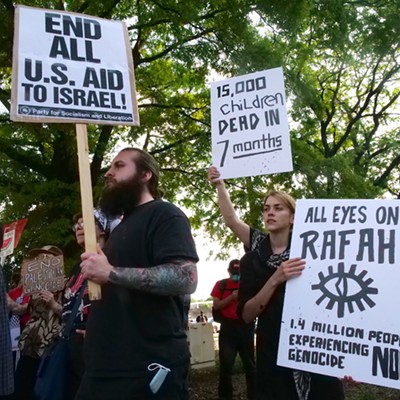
{"points": [[128, 329]]}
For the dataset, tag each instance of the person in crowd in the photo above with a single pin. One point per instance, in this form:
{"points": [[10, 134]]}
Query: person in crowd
{"points": [[264, 272], [136, 345], [17, 294], [18, 322], [6, 361], [40, 331], [75, 361], [201, 317], [235, 336]]}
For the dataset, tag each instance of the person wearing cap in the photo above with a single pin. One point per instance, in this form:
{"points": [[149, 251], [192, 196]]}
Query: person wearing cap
{"points": [[40, 331], [136, 345], [235, 336]]}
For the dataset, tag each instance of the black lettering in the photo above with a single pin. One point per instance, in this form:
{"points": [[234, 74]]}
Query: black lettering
{"points": [[51, 23], [366, 243], [363, 217], [272, 117], [387, 360], [344, 242], [309, 239], [59, 48], [60, 78], [388, 246], [72, 26], [329, 242], [33, 74]]}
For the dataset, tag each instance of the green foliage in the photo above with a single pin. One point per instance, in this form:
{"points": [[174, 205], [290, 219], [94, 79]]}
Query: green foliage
{"points": [[341, 64]]}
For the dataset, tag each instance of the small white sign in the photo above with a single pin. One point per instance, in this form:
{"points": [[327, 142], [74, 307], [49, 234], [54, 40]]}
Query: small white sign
{"points": [[250, 132], [340, 317], [71, 67], [8, 245]]}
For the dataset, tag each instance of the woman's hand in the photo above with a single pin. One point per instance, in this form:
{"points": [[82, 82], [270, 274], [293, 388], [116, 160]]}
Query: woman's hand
{"points": [[213, 175], [291, 268], [48, 298]]}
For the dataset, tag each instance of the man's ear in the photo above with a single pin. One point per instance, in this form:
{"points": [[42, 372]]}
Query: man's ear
{"points": [[146, 176]]}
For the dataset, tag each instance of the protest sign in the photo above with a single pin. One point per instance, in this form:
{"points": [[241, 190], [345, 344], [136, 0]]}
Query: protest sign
{"points": [[44, 272], [12, 234], [340, 317], [250, 131], [71, 67]]}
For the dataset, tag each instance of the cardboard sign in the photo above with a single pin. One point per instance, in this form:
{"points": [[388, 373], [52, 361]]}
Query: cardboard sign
{"points": [[250, 132], [340, 315], [44, 272], [71, 67]]}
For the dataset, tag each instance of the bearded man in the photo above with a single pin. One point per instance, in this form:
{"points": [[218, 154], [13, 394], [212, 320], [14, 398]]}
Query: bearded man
{"points": [[136, 345]]}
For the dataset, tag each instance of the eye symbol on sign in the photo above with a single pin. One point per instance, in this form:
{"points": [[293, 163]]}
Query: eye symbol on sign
{"points": [[343, 288]]}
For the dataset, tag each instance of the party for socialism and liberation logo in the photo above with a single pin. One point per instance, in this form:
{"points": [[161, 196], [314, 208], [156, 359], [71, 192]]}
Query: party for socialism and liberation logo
{"points": [[345, 288]]}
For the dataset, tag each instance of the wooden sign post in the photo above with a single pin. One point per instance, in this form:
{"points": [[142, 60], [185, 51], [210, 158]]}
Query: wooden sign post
{"points": [[87, 201], [64, 72]]}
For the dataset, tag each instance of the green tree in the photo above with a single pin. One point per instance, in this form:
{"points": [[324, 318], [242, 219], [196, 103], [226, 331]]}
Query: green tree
{"points": [[341, 65]]}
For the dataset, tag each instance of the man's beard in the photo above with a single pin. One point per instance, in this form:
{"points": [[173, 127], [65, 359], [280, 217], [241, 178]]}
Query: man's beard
{"points": [[121, 197]]}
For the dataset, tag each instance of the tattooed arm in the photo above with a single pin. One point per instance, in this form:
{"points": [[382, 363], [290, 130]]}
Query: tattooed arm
{"points": [[177, 277]]}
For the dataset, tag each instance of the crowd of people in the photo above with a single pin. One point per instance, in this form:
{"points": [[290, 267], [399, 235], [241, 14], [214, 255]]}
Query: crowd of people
{"points": [[132, 343]]}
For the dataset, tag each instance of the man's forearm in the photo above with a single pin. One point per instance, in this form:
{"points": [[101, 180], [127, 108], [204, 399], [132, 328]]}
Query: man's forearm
{"points": [[175, 278]]}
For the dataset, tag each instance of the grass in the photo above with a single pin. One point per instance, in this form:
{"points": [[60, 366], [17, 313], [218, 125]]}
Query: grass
{"points": [[354, 391]]}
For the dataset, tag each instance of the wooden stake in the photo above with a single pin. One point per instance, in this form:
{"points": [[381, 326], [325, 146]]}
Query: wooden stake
{"points": [[87, 201]]}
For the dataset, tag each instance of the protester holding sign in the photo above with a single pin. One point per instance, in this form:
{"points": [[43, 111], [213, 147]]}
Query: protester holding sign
{"points": [[75, 360], [136, 343], [264, 271], [40, 331]]}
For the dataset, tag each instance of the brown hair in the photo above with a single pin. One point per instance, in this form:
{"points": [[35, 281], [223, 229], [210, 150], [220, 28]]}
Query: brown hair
{"points": [[145, 162], [285, 198]]}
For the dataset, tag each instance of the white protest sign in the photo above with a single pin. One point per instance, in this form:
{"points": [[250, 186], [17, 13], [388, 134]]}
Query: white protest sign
{"points": [[8, 243], [341, 316], [250, 132], [71, 67], [12, 235]]}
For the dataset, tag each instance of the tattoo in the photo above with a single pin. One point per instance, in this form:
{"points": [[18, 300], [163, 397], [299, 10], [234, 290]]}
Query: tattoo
{"points": [[177, 277]]}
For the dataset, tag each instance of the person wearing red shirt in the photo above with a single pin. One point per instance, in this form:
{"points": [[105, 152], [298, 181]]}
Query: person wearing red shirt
{"points": [[17, 294], [235, 336]]}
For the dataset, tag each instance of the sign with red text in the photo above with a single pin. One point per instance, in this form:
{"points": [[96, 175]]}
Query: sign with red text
{"points": [[71, 67], [44, 272], [250, 131], [12, 235], [339, 316]]}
